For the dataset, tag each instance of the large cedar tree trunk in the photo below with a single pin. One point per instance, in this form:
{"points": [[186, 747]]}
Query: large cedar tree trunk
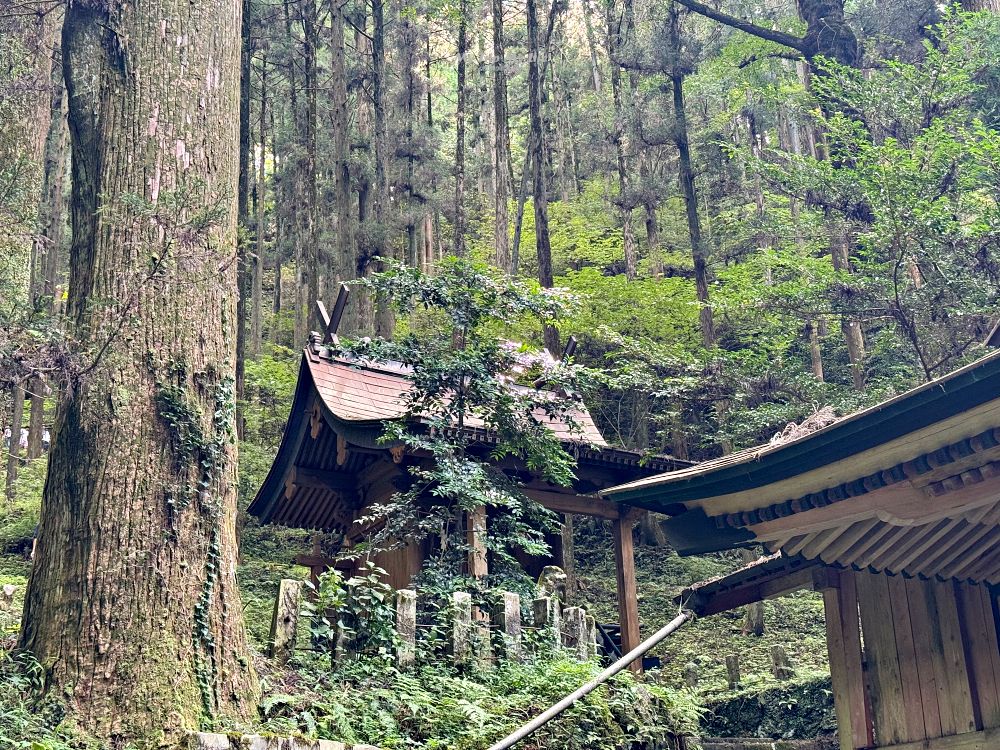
{"points": [[132, 604]]}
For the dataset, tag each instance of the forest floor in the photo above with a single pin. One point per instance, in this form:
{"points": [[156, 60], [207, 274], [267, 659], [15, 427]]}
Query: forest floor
{"points": [[761, 706]]}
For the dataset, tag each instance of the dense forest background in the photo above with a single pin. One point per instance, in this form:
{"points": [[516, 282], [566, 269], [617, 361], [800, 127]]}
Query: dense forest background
{"points": [[764, 212], [757, 221]]}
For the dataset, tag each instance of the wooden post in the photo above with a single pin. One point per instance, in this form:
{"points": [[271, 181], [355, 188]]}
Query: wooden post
{"points": [[475, 533], [628, 604], [508, 616], [843, 641], [286, 619], [406, 627], [461, 626], [733, 670], [781, 667]]}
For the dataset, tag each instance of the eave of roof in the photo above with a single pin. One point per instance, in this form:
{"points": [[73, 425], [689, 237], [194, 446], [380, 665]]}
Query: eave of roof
{"points": [[947, 399], [364, 431]]}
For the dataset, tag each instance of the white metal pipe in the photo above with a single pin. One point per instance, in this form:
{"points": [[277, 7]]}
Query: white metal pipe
{"points": [[607, 674]]}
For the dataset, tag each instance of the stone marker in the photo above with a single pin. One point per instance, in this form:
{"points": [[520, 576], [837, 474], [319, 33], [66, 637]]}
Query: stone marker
{"points": [[286, 619], [7, 596], [507, 615], [461, 626], [547, 614], [781, 667], [733, 668], [591, 631], [691, 674], [406, 627], [574, 631]]}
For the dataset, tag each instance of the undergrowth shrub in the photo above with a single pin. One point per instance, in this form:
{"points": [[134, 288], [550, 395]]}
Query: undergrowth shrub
{"points": [[435, 706], [27, 721]]}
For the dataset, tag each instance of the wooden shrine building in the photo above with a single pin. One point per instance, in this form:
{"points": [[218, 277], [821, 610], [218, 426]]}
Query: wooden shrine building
{"points": [[894, 515], [331, 467]]}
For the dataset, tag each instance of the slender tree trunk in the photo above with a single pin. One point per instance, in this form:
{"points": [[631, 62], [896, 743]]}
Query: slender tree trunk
{"points": [[243, 217], [52, 212], [257, 266], [345, 267], [850, 327], [620, 141], [409, 42], [36, 420], [501, 147], [365, 248], [132, 603], [14, 451], [463, 48], [595, 66], [753, 623], [384, 322], [543, 247], [686, 176], [483, 126], [527, 171]]}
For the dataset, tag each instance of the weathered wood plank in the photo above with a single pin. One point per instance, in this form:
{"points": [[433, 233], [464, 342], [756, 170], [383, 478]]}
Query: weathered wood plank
{"points": [[907, 659], [978, 637], [923, 646], [844, 648], [883, 664], [992, 636], [985, 740], [956, 670]]}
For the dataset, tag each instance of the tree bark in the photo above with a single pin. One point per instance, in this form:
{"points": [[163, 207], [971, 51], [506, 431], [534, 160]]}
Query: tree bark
{"points": [[618, 138], [257, 266], [384, 321], [753, 623], [686, 177], [595, 66], [307, 252], [132, 603], [501, 147], [340, 126], [460, 114], [364, 305], [543, 247], [14, 450], [36, 419], [243, 216]]}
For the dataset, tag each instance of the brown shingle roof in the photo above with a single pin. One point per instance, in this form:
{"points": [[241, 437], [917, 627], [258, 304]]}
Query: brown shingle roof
{"points": [[365, 391]]}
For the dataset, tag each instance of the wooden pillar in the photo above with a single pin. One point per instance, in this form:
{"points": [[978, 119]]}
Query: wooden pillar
{"points": [[628, 603], [475, 532], [843, 639]]}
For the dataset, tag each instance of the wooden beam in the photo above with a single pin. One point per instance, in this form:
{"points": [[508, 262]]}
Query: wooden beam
{"points": [[578, 504], [901, 504], [755, 591], [320, 479], [628, 604]]}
